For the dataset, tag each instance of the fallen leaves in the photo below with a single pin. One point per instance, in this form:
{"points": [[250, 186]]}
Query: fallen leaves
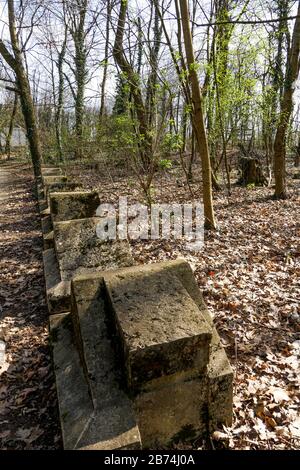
{"points": [[279, 394]]}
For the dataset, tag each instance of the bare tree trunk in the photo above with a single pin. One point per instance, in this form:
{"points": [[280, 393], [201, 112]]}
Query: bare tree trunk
{"points": [[297, 154], [60, 99], [286, 107], [192, 159], [80, 60], [11, 127], [144, 133], [75, 19], [15, 61], [103, 84], [197, 117], [152, 80]]}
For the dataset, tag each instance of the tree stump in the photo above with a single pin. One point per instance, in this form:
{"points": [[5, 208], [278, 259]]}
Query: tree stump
{"points": [[251, 172]]}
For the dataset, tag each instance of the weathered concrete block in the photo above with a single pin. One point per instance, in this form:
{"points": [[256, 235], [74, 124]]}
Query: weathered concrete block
{"points": [[220, 386], [58, 291], [172, 414], [47, 230], [80, 251], [58, 187], [73, 205], [48, 240], [51, 171], [66, 206], [191, 400], [161, 328], [54, 179], [176, 371], [47, 225], [75, 405], [103, 425], [77, 251], [63, 186], [112, 428], [91, 326]]}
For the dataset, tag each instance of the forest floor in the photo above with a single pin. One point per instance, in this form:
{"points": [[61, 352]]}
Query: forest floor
{"points": [[248, 270], [249, 273]]}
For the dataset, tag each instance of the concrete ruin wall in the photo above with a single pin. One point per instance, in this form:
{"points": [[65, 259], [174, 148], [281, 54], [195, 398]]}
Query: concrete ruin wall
{"points": [[138, 361]]}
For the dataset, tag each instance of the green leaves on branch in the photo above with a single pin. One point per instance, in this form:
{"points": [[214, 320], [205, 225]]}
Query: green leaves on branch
{"points": [[172, 142], [165, 164]]}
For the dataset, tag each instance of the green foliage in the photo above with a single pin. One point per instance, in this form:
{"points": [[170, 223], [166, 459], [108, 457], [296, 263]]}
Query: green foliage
{"points": [[172, 142], [165, 164], [194, 67], [122, 96]]}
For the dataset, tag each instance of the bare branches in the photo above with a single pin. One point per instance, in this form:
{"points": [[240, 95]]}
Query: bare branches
{"points": [[238, 21]]}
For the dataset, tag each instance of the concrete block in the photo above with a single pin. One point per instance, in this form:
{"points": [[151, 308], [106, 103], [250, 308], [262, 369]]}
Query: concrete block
{"points": [[75, 405], [161, 328], [80, 251], [73, 205], [54, 179], [189, 402], [77, 251], [58, 291], [106, 425], [59, 187], [172, 414], [51, 171], [47, 225]]}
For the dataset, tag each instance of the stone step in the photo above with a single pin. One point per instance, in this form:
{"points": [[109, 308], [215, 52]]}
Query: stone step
{"points": [[51, 171], [80, 251], [47, 225], [73, 205], [59, 187], [54, 179], [58, 292], [172, 402], [106, 424], [161, 329], [75, 404]]}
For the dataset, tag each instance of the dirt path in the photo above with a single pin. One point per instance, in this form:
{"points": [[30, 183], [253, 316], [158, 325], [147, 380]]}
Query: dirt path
{"points": [[28, 405]]}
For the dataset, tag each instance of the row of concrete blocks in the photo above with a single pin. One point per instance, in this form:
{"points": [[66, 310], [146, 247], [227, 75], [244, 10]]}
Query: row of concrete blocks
{"points": [[138, 362]]}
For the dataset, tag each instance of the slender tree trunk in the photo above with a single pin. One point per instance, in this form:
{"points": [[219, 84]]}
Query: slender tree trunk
{"points": [[277, 72], [151, 91], [60, 98], [11, 127], [75, 21], [16, 62], [144, 134], [192, 159], [80, 61], [105, 68], [286, 107], [297, 154], [197, 117]]}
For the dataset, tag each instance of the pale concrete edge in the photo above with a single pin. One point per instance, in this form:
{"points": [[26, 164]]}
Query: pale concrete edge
{"points": [[75, 406]]}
